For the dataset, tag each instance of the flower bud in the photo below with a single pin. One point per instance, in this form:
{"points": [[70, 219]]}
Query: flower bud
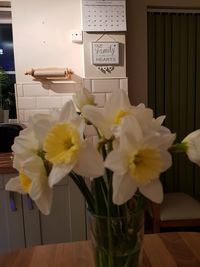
{"points": [[82, 98], [192, 142]]}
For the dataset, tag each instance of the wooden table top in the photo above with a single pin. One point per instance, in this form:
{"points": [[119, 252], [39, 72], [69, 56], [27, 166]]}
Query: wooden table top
{"points": [[6, 163], [160, 250]]}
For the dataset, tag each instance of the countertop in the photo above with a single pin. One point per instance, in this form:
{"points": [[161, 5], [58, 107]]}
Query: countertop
{"points": [[165, 249], [6, 163]]}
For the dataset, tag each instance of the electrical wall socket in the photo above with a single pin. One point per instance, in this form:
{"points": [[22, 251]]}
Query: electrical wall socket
{"points": [[77, 36]]}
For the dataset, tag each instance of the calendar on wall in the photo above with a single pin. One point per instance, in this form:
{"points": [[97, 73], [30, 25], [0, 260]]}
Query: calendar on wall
{"points": [[104, 15]]}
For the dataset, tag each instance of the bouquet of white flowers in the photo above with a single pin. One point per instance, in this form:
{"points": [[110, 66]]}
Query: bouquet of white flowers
{"points": [[133, 149]]}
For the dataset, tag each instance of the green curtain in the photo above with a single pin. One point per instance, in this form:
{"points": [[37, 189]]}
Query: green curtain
{"points": [[174, 87]]}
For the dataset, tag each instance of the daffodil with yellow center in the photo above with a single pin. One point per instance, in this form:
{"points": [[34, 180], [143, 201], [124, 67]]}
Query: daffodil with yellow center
{"points": [[32, 180], [137, 163], [108, 119], [62, 147], [145, 165], [62, 144]]}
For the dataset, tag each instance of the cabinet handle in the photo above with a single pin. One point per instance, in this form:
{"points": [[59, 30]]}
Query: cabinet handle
{"points": [[29, 203], [12, 201]]}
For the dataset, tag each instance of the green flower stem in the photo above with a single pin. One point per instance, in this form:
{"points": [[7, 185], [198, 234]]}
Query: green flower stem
{"points": [[179, 148], [99, 191], [141, 202], [79, 181], [110, 241]]}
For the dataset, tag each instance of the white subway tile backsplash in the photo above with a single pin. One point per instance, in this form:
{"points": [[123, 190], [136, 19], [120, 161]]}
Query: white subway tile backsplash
{"points": [[34, 90], [26, 102], [62, 88], [48, 102], [104, 86], [57, 93], [33, 98]]}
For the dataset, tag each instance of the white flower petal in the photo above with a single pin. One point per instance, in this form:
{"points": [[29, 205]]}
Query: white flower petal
{"points": [[44, 203], [192, 136], [143, 115], [156, 126], [83, 97], [118, 101], [25, 143], [14, 185], [58, 172], [33, 167], [68, 112], [160, 119], [39, 117], [160, 141], [193, 153], [90, 162], [18, 159], [166, 160], [116, 162], [95, 116], [36, 188], [193, 146], [41, 129], [131, 133], [79, 124], [153, 191], [123, 188]]}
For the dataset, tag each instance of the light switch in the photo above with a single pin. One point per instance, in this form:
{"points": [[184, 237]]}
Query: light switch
{"points": [[77, 36]]}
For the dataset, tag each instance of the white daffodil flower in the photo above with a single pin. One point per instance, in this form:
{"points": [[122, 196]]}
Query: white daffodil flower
{"points": [[64, 146], [83, 97], [138, 162], [192, 143], [118, 106], [25, 146], [26, 142], [32, 180]]}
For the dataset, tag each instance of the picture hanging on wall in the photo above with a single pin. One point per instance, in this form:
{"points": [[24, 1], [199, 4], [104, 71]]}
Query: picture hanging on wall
{"points": [[105, 53]]}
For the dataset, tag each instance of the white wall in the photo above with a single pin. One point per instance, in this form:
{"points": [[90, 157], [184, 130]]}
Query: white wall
{"points": [[42, 38], [42, 35], [137, 42]]}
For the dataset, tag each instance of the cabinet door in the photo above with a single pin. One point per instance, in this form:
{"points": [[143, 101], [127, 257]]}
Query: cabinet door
{"points": [[66, 221], [77, 213], [31, 222], [11, 220]]}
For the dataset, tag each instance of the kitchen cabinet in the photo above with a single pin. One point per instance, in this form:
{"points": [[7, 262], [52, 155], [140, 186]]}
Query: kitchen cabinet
{"points": [[26, 226], [11, 222]]}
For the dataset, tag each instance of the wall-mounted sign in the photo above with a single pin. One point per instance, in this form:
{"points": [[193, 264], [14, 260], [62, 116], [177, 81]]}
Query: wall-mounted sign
{"points": [[104, 15], [105, 53]]}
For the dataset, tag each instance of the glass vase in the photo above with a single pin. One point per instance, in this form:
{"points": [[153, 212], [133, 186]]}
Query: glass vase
{"points": [[117, 241]]}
